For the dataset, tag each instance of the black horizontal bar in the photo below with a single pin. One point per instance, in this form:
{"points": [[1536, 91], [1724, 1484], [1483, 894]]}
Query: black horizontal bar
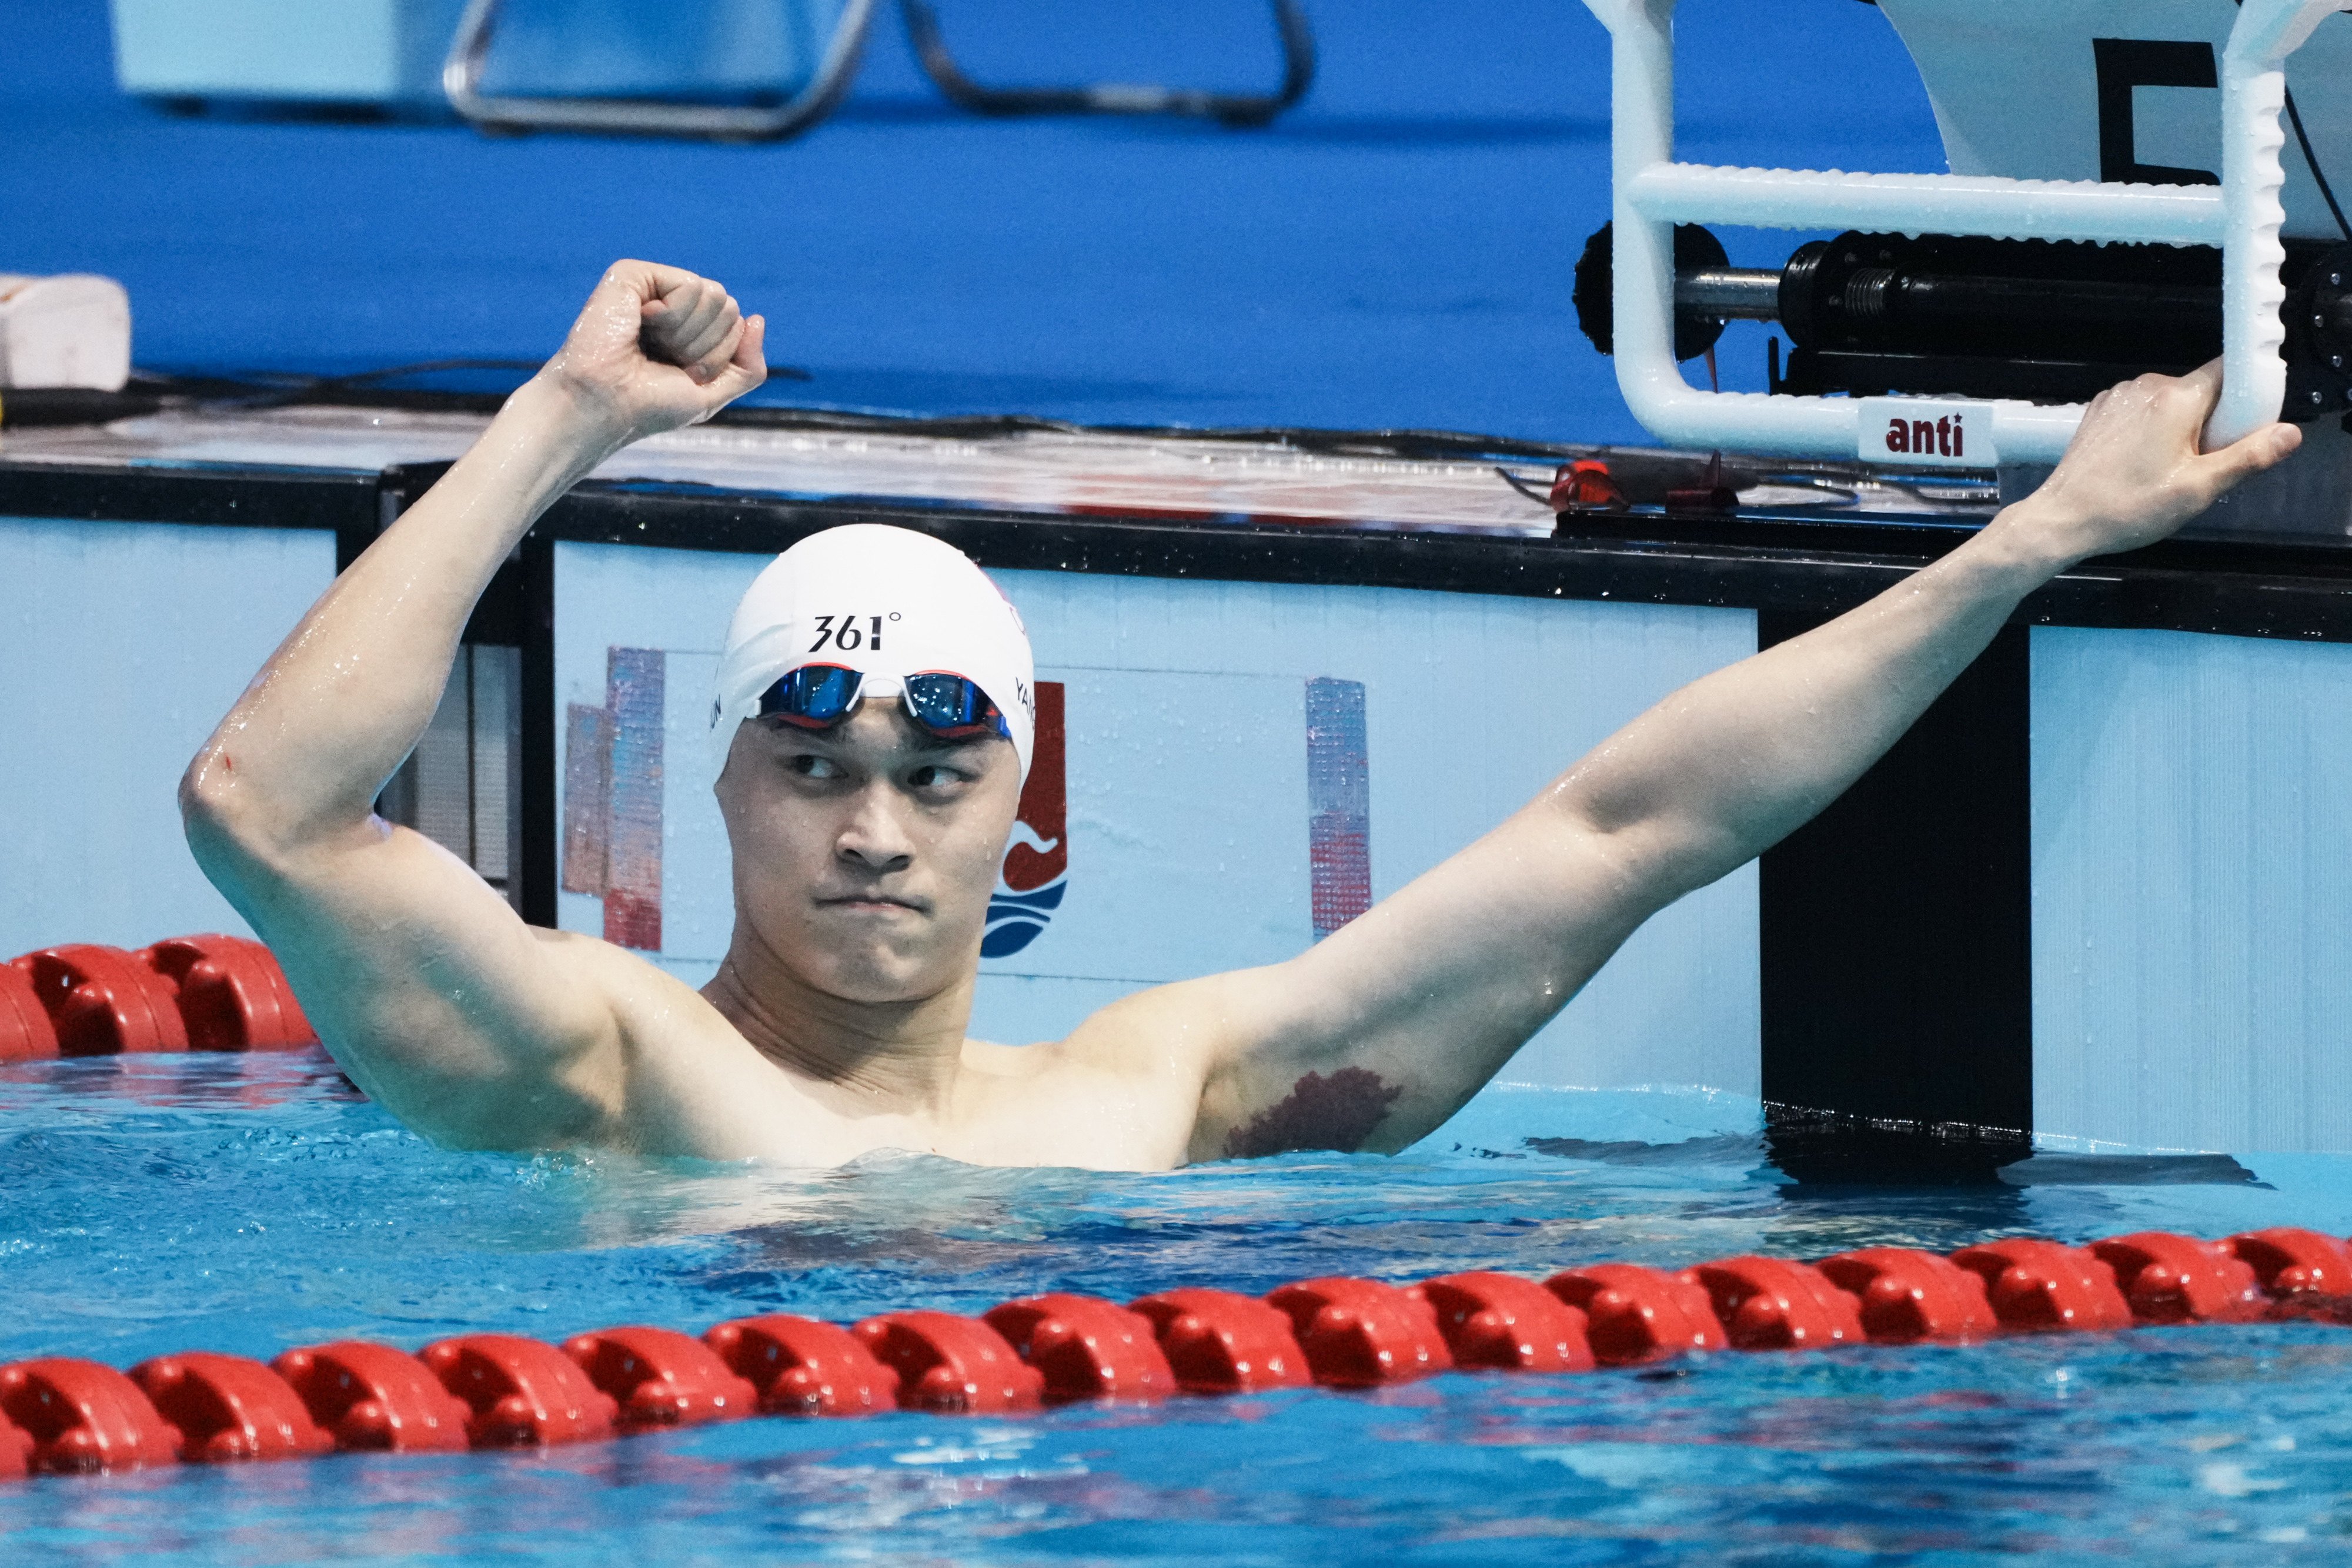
{"points": [[231, 496], [1819, 563], [2265, 589]]}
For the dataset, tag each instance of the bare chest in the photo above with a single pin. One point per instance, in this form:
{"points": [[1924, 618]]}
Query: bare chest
{"points": [[719, 1098]]}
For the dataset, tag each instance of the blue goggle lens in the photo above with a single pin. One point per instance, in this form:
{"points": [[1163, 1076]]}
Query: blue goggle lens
{"points": [[814, 697], [952, 708], [819, 697]]}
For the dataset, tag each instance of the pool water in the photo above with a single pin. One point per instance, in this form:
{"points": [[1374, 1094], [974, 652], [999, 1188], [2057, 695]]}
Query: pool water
{"points": [[250, 1204]]}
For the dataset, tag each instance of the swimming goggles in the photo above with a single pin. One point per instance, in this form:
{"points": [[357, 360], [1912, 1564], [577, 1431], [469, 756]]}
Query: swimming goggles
{"points": [[820, 697]]}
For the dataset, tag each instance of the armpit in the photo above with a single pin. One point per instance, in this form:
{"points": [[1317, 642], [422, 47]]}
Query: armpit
{"points": [[1335, 1113]]}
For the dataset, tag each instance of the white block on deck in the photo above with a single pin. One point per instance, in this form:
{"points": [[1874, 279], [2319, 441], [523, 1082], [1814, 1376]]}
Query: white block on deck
{"points": [[69, 331]]}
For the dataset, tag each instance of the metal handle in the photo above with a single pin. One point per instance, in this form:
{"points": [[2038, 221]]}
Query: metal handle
{"points": [[461, 76], [1115, 98]]}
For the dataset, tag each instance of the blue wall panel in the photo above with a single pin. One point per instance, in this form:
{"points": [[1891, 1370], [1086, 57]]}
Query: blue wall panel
{"points": [[2192, 940], [124, 645]]}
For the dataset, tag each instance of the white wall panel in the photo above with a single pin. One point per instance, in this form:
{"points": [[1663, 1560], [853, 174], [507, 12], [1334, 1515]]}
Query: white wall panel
{"points": [[1187, 781], [2192, 887], [124, 643]]}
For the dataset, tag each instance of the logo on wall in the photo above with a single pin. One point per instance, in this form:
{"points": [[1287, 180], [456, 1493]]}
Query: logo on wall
{"points": [[1036, 874], [1338, 803], [613, 798]]}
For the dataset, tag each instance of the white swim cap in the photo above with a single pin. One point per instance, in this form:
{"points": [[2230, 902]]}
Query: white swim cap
{"points": [[887, 601]]}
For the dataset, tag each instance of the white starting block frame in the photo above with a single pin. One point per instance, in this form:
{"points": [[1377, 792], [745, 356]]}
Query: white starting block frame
{"points": [[1652, 192]]}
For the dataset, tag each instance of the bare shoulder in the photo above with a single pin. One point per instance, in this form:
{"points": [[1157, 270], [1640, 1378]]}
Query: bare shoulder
{"points": [[687, 1082], [1171, 1031], [1121, 1091]]}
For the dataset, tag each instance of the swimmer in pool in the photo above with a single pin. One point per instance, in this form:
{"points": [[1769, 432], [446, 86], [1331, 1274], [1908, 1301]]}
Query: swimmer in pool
{"points": [[868, 795]]}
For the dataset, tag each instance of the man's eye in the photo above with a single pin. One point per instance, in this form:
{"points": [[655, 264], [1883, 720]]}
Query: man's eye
{"points": [[809, 765], [934, 777]]}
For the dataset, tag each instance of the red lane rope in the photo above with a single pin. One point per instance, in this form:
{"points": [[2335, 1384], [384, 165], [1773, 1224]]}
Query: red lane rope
{"points": [[64, 1413], [186, 993]]}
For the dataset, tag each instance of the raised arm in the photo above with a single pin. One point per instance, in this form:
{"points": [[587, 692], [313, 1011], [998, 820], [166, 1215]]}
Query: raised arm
{"points": [[430, 991], [1407, 1012]]}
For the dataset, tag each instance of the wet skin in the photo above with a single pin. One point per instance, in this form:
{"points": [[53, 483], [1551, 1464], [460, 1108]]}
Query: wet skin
{"points": [[864, 859]]}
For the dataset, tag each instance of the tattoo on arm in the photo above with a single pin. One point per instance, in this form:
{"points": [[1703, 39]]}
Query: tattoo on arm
{"points": [[1335, 1113]]}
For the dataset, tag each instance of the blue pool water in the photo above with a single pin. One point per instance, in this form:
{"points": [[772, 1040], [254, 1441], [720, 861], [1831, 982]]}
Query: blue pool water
{"points": [[250, 1204]]}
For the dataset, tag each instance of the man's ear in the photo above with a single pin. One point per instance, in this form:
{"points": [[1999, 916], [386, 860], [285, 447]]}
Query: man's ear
{"points": [[727, 764]]}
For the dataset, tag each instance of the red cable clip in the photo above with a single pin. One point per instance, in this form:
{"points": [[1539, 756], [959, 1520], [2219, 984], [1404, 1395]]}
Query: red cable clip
{"points": [[103, 1001], [226, 1407], [371, 1396], [1085, 1347], [1771, 1303], [950, 1363], [25, 1032], [523, 1393], [1358, 1333], [1908, 1296], [2038, 1284], [2287, 1260], [1634, 1314], [232, 995], [1219, 1341], [1585, 486], [83, 1416], [2171, 1279], [1502, 1320], [659, 1377], [803, 1367]]}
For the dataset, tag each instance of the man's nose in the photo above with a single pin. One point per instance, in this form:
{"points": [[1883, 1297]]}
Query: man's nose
{"points": [[876, 835]]}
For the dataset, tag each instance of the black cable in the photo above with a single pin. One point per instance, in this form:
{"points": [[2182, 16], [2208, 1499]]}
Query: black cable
{"points": [[276, 389], [423, 368], [1539, 497], [2311, 159]]}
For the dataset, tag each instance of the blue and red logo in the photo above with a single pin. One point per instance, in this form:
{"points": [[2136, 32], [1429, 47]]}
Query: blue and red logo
{"points": [[1038, 862]]}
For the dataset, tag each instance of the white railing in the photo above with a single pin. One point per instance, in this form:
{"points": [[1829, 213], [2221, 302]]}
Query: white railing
{"points": [[1653, 192]]}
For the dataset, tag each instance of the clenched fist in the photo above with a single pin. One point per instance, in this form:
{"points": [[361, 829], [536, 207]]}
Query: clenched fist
{"points": [[656, 348]]}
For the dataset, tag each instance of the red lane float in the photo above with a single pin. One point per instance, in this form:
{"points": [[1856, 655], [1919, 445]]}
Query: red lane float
{"points": [[61, 1413], [947, 1362], [230, 993], [800, 1366], [659, 1377], [225, 1407], [1908, 1297], [1359, 1333], [2286, 1260], [25, 1032], [1219, 1341], [186, 993], [373, 1397], [1636, 1315], [1503, 1321], [84, 1415], [1770, 1303], [2034, 1284], [103, 1001], [1085, 1347], [2169, 1278], [523, 1394]]}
